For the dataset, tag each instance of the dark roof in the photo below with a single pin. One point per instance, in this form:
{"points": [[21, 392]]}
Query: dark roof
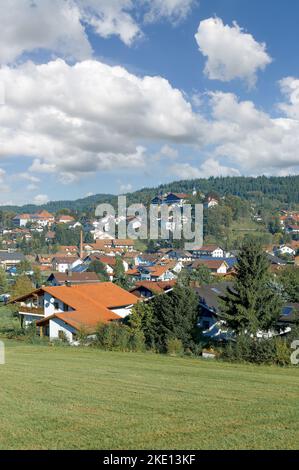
{"points": [[74, 277], [209, 295], [11, 256]]}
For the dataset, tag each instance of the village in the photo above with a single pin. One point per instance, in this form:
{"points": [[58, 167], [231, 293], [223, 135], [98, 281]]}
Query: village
{"points": [[83, 285]]}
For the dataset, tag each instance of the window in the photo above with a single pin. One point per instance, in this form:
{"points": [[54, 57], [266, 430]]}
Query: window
{"points": [[56, 305], [61, 335]]}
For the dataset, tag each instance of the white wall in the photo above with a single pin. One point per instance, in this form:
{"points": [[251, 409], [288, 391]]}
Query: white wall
{"points": [[56, 325]]}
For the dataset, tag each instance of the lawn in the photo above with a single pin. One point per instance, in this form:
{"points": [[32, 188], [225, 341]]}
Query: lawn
{"points": [[67, 398]]}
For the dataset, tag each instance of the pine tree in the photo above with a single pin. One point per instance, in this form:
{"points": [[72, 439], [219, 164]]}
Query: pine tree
{"points": [[251, 305]]}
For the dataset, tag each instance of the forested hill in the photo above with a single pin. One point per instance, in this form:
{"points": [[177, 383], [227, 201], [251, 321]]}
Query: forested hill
{"points": [[284, 190]]}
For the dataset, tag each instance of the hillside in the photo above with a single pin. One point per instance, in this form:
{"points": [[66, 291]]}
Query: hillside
{"points": [[283, 190]]}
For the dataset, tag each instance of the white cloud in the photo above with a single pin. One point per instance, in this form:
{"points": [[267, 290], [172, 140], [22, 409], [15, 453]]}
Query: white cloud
{"points": [[28, 25], [175, 10], [231, 53], [4, 188], [125, 188], [252, 139], [169, 152], [60, 26], [41, 199], [89, 116], [290, 89], [209, 167], [31, 187]]}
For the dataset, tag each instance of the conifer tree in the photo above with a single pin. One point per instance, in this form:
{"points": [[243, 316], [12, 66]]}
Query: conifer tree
{"points": [[251, 304]]}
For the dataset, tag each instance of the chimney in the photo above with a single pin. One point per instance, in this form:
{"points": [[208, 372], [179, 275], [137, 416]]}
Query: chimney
{"points": [[68, 284]]}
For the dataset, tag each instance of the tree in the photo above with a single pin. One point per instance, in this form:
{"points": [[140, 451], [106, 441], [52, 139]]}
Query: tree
{"points": [[120, 277], [289, 279], [24, 266], [201, 275], [37, 277], [251, 305], [3, 282], [167, 316], [22, 286], [99, 268]]}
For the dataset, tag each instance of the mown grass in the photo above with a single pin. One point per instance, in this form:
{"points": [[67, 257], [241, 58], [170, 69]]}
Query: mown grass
{"points": [[68, 398]]}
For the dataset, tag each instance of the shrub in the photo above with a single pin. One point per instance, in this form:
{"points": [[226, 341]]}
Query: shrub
{"points": [[119, 337], [258, 351], [174, 347]]}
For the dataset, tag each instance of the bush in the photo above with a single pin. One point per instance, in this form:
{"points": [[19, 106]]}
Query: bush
{"points": [[174, 347], [118, 337], [258, 351]]}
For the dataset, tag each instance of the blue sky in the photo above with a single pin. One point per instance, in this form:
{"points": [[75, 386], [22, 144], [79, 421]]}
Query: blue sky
{"points": [[108, 96]]}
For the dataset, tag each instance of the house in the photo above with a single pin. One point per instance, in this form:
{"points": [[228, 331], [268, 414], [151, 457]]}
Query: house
{"points": [[209, 303], [210, 202], [21, 220], [9, 260], [292, 229], [50, 236], [42, 218], [216, 266], [284, 250], [65, 263], [124, 244], [61, 279], [214, 327], [63, 311], [45, 260], [170, 199], [152, 273], [175, 199], [69, 249], [148, 289], [208, 250], [65, 219], [180, 255]]}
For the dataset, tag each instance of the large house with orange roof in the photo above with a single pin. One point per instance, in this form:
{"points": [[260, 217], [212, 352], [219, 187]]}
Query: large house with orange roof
{"points": [[62, 311], [42, 218]]}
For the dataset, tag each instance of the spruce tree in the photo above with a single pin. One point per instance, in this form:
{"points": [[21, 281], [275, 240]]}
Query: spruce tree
{"points": [[251, 305]]}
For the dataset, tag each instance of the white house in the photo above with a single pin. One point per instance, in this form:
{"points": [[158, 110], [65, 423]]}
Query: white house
{"points": [[213, 251], [61, 312], [65, 263]]}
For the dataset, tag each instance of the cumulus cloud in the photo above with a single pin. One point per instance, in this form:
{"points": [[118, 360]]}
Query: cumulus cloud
{"points": [[90, 116], [28, 25], [41, 199], [231, 53], [175, 10], [252, 139], [209, 167], [290, 89], [60, 26]]}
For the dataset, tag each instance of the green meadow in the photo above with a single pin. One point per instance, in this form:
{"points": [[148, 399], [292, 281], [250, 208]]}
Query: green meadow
{"points": [[79, 398]]}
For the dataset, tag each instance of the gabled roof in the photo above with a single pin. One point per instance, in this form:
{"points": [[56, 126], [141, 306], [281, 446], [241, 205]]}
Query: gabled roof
{"points": [[155, 287], [209, 263], [74, 277], [92, 303]]}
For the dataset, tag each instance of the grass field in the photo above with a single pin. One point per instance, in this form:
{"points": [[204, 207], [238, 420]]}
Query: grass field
{"points": [[64, 398]]}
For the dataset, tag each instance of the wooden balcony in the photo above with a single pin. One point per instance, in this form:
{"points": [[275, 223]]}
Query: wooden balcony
{"points": [[31, 310]]}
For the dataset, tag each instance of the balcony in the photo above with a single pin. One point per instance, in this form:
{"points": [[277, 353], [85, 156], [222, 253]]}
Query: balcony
{"points": [[31, 310]]}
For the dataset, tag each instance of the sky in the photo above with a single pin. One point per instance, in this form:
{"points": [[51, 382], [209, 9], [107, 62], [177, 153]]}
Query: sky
{"points": [[109, 96]]}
